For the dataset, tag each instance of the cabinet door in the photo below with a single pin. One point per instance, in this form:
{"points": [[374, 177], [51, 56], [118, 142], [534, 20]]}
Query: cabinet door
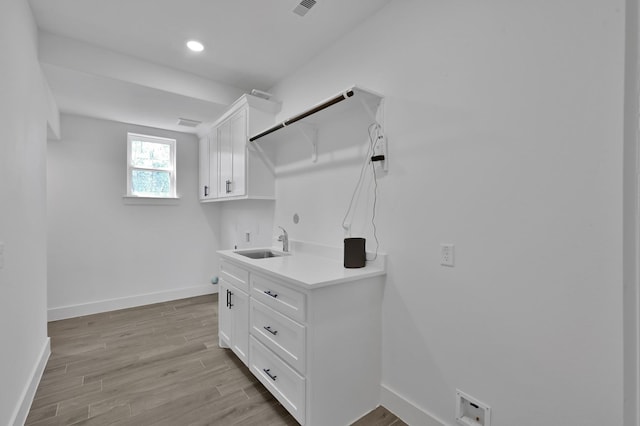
{"points": [[208, 167], [224, 315], [232, 141], [213, 165], [225, 159], [240, 324], [233, 320], [238, 132], [204, 188]]}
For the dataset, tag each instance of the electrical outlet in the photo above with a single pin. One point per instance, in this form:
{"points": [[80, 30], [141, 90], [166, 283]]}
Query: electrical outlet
{"points": [[446, 254], [380, 149]]}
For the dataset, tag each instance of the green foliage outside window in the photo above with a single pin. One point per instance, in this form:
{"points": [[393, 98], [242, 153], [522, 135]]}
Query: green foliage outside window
{"points": [[151, 163]]}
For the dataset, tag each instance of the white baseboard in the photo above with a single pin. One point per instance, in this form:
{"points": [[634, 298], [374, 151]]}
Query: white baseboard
{"points": [[64, 312], [22, 410], [406, 410]]}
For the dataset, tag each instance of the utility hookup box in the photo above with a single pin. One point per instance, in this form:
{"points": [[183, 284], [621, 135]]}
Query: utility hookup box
{"points": [[471, 412]]}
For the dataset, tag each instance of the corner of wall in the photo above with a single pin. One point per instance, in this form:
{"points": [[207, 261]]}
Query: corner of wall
{"points": [[26, 398], [53, 113], [631, 230], [113, 304], [409, 412]]}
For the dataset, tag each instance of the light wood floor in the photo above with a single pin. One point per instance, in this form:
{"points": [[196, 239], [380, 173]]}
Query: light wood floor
{"points": [[154, 365]]}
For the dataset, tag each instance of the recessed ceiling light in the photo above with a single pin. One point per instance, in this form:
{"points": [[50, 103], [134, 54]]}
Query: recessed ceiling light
{"points": [[195, 46]]}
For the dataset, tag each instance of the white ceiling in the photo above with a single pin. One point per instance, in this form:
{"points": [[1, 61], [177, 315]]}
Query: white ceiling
{"points": [[248, 44]]}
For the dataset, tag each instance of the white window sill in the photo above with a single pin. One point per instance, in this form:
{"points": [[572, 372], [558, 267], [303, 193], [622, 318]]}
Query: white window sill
{"points": [[151, 201]]}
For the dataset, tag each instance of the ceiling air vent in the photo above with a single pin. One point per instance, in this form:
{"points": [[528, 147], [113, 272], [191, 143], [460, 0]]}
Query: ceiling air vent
{"points": [[187, 122], [304, 7]]}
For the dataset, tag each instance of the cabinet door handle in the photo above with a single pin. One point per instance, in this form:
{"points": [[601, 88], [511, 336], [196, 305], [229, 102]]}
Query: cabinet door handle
{"points": [[268, 328], [268, 371], [230, 294], [269, 293], [228, 187], [206, 191], [228, 298]]}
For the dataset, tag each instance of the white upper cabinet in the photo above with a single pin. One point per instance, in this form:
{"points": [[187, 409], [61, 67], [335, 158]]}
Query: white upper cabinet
{"points": [[235, 169], [232, 151]]}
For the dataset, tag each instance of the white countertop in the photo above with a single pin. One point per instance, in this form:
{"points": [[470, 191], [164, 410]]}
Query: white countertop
{"points": [[309, 266]]}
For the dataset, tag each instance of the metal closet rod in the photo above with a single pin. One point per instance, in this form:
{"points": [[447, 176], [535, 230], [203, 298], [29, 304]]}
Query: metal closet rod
{"points": [[341, 97]]}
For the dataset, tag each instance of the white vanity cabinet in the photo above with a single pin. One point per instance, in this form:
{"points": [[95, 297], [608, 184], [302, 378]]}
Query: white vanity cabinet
{"points": [[233, 310], [235, 169], [315, 348]]}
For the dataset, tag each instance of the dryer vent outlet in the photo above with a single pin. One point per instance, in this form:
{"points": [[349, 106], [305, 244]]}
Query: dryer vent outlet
{"points": [[471, 412]]}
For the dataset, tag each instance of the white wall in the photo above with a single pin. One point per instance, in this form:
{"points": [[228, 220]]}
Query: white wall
{"points": [[504, 121], [23, 274], [105, 253], [631, 219], [240, 217]]}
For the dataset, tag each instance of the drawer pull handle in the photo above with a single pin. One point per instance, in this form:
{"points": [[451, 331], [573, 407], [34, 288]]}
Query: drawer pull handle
{"points": [[267, 371], [269, 293], [268, 328]]}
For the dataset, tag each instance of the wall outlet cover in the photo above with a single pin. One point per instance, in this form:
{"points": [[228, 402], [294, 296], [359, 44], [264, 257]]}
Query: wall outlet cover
{"points": [[446, 254]]}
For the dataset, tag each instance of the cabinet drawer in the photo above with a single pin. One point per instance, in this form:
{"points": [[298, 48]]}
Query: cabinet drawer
{"points": [[282, 381], [279, 297], [235, 275], [279, 333]]}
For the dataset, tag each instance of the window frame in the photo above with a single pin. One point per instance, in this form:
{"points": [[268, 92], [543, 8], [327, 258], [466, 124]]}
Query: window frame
{"points": [[131, 136]]}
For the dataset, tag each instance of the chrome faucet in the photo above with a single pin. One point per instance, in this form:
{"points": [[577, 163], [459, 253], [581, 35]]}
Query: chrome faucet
{"points": [[285, 239]]}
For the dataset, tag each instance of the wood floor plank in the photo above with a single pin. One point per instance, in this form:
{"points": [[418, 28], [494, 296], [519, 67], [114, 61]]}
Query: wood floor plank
{"points": [[97, 410], [152, 377], [167, 359], [66, 394], [108, 417], [154, 365], [179, 391], [379, 417], [68, 418], [271, 414], [57, 360], [51, 372], [41, 413], [178, 411], [85, 400], [58, 385]]}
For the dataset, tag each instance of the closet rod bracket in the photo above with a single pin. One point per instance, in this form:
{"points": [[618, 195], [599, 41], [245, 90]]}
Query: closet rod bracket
{"points": [[310, 133]]}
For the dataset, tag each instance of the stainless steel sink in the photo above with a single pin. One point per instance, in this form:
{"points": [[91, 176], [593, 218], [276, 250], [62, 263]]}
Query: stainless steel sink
{"points": [[260, 254]]}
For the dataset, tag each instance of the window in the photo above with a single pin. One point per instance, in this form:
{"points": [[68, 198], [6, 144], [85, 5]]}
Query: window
{"points": [[151, 166]]}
